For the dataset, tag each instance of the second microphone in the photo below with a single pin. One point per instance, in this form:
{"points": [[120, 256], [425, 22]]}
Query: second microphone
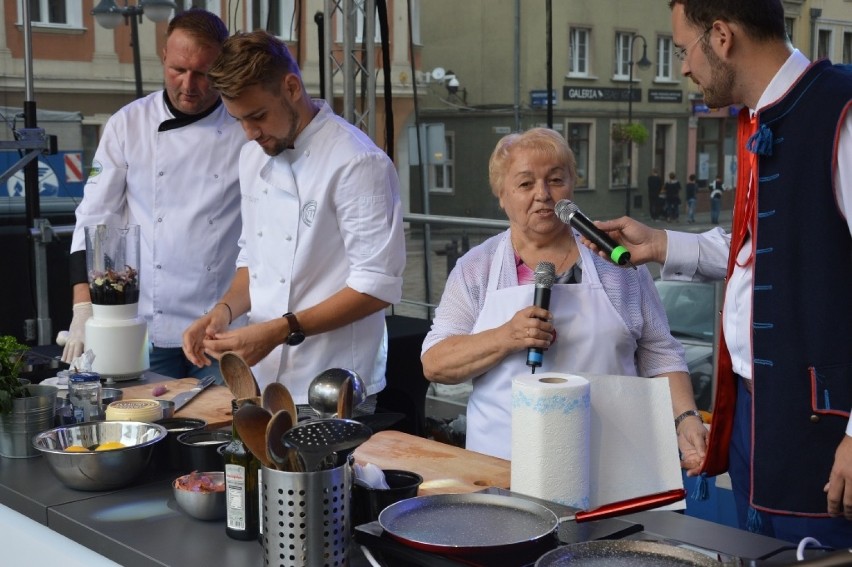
{"points": [[545, 275]]}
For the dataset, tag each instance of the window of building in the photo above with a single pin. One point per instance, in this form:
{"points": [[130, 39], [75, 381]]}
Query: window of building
{"points": [[442, 176], [788, 26], [823, 44], [580, 139], [213, 6], [278, 17], [360, 6], [619, 163], [578, 65], [664, 58], [847, 48], [622, 55], [415, 21], [53, 13]]}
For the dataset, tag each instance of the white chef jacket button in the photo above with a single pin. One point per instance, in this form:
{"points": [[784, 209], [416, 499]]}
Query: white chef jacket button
{"points": [[209, 268], [215, 176], [283, 280], [210, 221], [161, 174], [160, 219], [288, 238], [159, 266], [265, 191], [307, 152], [259, 233], [159, 312], [254, 276]]}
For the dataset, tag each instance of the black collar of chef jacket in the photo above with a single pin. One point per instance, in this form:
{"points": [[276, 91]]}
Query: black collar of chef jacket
{"points": [[181, 119]]}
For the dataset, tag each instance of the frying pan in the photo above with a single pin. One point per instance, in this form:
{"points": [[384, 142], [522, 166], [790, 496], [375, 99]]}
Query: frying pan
{"points": [[467, 524], [626, 553]]}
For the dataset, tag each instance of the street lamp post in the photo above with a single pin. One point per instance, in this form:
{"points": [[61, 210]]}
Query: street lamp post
{"points": [[643, 63], [109, 15]]}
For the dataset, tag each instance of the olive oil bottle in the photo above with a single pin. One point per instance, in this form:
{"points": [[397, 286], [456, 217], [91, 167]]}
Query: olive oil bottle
{"points": [[241, 487]]}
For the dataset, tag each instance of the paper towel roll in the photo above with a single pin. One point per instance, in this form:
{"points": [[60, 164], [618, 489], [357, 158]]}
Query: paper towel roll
{"points": [[550, 437]]}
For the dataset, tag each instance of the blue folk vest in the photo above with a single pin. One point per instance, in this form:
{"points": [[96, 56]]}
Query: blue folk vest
{"points": [[802, 315]]}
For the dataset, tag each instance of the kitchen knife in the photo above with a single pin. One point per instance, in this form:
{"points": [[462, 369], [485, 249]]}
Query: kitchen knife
{"points": [[184, 397]]}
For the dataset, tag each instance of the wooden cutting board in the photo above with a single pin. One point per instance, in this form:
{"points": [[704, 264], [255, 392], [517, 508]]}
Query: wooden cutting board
{"points": [[213, 405], [445, 469]]}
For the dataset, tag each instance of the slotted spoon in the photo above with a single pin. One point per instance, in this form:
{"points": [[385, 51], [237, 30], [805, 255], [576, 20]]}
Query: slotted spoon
{"points": [[317, 440]]}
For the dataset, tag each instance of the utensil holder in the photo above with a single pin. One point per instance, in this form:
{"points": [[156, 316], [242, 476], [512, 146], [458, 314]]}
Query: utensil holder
{"points": [[306, 517]]}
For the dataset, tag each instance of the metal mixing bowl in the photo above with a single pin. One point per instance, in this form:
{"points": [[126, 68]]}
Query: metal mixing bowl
{"points": [[202, 505], [99, 470]]}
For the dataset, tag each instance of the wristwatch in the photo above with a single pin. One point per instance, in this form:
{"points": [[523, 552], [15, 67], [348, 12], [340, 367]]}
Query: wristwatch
{"points": [[297, 335]]}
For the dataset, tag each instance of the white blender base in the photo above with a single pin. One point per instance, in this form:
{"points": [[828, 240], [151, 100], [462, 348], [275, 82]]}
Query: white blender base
{"points": [[119, 341]]}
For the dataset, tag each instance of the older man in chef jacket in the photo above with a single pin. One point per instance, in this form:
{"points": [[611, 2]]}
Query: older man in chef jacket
{"points": [[167, 162], [322, 250]]}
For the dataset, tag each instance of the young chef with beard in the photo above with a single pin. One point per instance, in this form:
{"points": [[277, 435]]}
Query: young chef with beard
{"points": [[322, 250]]}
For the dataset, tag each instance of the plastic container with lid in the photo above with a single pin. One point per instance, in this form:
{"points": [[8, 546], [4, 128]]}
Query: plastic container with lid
{"points": [[84, 393], [134, 410]]}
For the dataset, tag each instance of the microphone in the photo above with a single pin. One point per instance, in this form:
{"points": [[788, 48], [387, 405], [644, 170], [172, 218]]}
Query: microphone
{"points": [[569, 213], [545, 274]]}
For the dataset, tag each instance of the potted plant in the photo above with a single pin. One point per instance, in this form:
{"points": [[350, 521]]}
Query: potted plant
{"points": [[11, 362], [25, 410], [632, 132]]}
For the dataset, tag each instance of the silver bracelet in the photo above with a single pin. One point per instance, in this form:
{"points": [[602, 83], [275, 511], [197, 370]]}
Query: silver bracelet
{"points": [[686, 414]]}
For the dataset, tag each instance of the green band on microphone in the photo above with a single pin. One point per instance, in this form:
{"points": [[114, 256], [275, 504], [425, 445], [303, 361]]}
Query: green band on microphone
{"points": [[620, 255]]}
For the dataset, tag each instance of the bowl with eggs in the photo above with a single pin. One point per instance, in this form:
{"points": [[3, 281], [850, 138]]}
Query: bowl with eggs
{"points": [[99, 455]]}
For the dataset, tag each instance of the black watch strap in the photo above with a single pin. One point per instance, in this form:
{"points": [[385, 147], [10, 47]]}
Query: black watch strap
{"points": [[296, 335]]}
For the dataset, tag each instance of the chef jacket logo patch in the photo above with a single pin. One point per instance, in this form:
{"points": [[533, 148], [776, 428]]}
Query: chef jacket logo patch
{"points": [[96, 169], [308, 212]]}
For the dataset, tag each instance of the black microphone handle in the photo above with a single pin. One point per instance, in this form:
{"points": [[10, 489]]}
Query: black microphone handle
{"points": [[542, 299], [617, 253]]}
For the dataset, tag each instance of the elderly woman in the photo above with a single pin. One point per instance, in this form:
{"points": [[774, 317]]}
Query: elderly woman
{"points": [[603, 318]]}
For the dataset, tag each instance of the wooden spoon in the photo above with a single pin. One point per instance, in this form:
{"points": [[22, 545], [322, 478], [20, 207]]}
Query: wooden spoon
{"points": [[277, 397], [238, 376], [284, 457], [251, 422]]}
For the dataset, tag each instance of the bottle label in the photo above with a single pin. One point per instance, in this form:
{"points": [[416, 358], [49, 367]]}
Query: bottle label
{"points": [[235, 485], [260, 500]]}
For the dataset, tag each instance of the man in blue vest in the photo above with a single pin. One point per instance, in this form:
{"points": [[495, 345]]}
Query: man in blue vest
{"points": [[781, 423]]}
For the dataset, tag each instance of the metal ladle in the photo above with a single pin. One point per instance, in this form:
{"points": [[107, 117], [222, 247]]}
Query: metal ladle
{"points": [[325, 389]]}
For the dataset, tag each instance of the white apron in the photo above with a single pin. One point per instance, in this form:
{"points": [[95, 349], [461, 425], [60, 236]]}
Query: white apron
{"points": [[590, 337]]}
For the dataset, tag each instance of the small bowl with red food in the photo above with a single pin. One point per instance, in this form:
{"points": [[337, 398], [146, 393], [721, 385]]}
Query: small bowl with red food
{"points": [[201, 494]]}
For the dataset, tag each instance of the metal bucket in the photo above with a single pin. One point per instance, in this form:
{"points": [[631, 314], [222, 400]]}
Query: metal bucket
{"points": [[306, 517], [29, 417]]}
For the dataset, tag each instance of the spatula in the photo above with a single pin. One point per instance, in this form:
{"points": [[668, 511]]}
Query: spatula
{"points": [[317, 440], [238, 376]]}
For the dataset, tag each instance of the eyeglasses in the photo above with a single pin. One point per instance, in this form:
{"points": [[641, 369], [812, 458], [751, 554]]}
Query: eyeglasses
{"points": [[681, 52]]}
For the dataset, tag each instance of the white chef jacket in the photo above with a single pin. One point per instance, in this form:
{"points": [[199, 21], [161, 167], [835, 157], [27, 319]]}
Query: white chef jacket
{"points": [[181, 187], [317, 218], [702, 257]]}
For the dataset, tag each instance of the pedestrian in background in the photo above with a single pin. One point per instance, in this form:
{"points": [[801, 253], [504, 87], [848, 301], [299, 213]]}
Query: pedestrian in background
{"points": [[716, 189], [672, 191], [655, 186], [691, 189]]}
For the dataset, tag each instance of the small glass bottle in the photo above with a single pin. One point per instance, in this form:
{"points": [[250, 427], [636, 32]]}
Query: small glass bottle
{"points": [[241, 487], [84, 393]]}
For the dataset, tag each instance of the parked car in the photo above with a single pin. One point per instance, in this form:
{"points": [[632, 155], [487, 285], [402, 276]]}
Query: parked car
{"points": [[691, 308]]}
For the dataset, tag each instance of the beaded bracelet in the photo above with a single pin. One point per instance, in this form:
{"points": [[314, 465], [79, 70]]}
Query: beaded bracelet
{"points": [[230, 313]]}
